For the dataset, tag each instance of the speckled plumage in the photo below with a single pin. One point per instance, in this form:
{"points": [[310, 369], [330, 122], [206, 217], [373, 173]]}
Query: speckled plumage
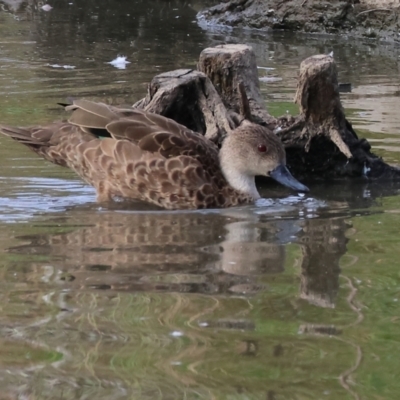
{"points": [[132, 154]]}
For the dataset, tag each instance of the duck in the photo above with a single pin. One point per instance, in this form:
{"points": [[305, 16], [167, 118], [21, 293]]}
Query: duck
{"points": [[131, 154]]}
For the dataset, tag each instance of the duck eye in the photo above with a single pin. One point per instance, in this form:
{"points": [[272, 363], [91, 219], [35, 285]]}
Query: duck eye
{"points": [[262, 148]]}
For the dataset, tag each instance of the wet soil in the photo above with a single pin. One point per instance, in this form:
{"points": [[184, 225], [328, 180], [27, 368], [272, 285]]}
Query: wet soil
{"points": [[379, 19]]}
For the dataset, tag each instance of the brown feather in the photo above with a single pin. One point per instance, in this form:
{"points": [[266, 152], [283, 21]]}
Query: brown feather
{"points": [[107, 147], [99, 109], [88, 120], [128, 129]]}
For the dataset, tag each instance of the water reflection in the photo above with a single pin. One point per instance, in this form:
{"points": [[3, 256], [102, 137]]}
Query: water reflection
{"points": [[86, 36], [323, 245], [170, 294], [120, 279], [183, 252], [206, 253]]}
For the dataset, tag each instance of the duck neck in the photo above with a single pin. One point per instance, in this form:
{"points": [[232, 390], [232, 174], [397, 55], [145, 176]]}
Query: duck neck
{"points": [[243, 183]]}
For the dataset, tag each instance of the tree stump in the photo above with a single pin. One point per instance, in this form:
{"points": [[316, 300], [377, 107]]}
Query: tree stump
{"points": [[232, 69], [319, 100], [188, 97], [320, 143]]}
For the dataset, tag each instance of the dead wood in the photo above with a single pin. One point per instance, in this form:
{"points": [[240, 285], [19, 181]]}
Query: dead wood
{"points": [[319, 101], [188, 97], [232, 69], [320, 143]]}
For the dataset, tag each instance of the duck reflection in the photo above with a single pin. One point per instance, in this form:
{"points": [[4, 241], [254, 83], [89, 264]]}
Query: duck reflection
{"points": [[254, 247], [186, 252]]}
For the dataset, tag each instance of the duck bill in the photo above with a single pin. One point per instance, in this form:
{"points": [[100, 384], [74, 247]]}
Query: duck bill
{"points": [[282, 175]]}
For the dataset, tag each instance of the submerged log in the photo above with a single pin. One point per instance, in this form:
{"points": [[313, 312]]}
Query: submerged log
{"points": [[320, 143]]}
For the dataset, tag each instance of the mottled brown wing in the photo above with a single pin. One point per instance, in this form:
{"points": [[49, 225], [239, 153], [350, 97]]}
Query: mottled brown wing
{"points": [[151, 132], [98, 116], [169, 143]]}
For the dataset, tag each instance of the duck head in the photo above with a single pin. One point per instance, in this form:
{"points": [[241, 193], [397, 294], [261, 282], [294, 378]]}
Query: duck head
{"points": [[251, 150]]}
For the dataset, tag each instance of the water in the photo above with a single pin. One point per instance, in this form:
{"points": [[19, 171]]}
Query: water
{"points": [[291, 298]]}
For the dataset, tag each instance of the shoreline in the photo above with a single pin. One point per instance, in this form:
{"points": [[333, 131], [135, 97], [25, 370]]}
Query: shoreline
{"points": [[337, 18]]}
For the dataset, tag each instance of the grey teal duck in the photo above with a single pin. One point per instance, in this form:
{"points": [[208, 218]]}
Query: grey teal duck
{"points": [[132, 154]]}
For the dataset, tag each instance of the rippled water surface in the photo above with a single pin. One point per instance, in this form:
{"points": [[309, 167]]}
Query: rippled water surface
{"points": [[291, 298]]}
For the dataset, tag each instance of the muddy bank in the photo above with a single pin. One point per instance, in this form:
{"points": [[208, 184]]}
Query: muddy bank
{"points": [[363, 18]]}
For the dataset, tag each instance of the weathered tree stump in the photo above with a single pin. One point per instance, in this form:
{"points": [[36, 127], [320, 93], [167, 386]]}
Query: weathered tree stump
{"points": [[233, 71], [319, 100], [188, 97], [320, 143]]}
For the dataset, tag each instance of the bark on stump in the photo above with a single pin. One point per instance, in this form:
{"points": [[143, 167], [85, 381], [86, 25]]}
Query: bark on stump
{"points": [[319, 100], [233, 71], [188, 97]]}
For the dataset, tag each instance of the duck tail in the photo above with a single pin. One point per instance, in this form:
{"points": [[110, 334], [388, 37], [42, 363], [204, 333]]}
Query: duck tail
{"points": [[22, 135], [44, 141]]}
